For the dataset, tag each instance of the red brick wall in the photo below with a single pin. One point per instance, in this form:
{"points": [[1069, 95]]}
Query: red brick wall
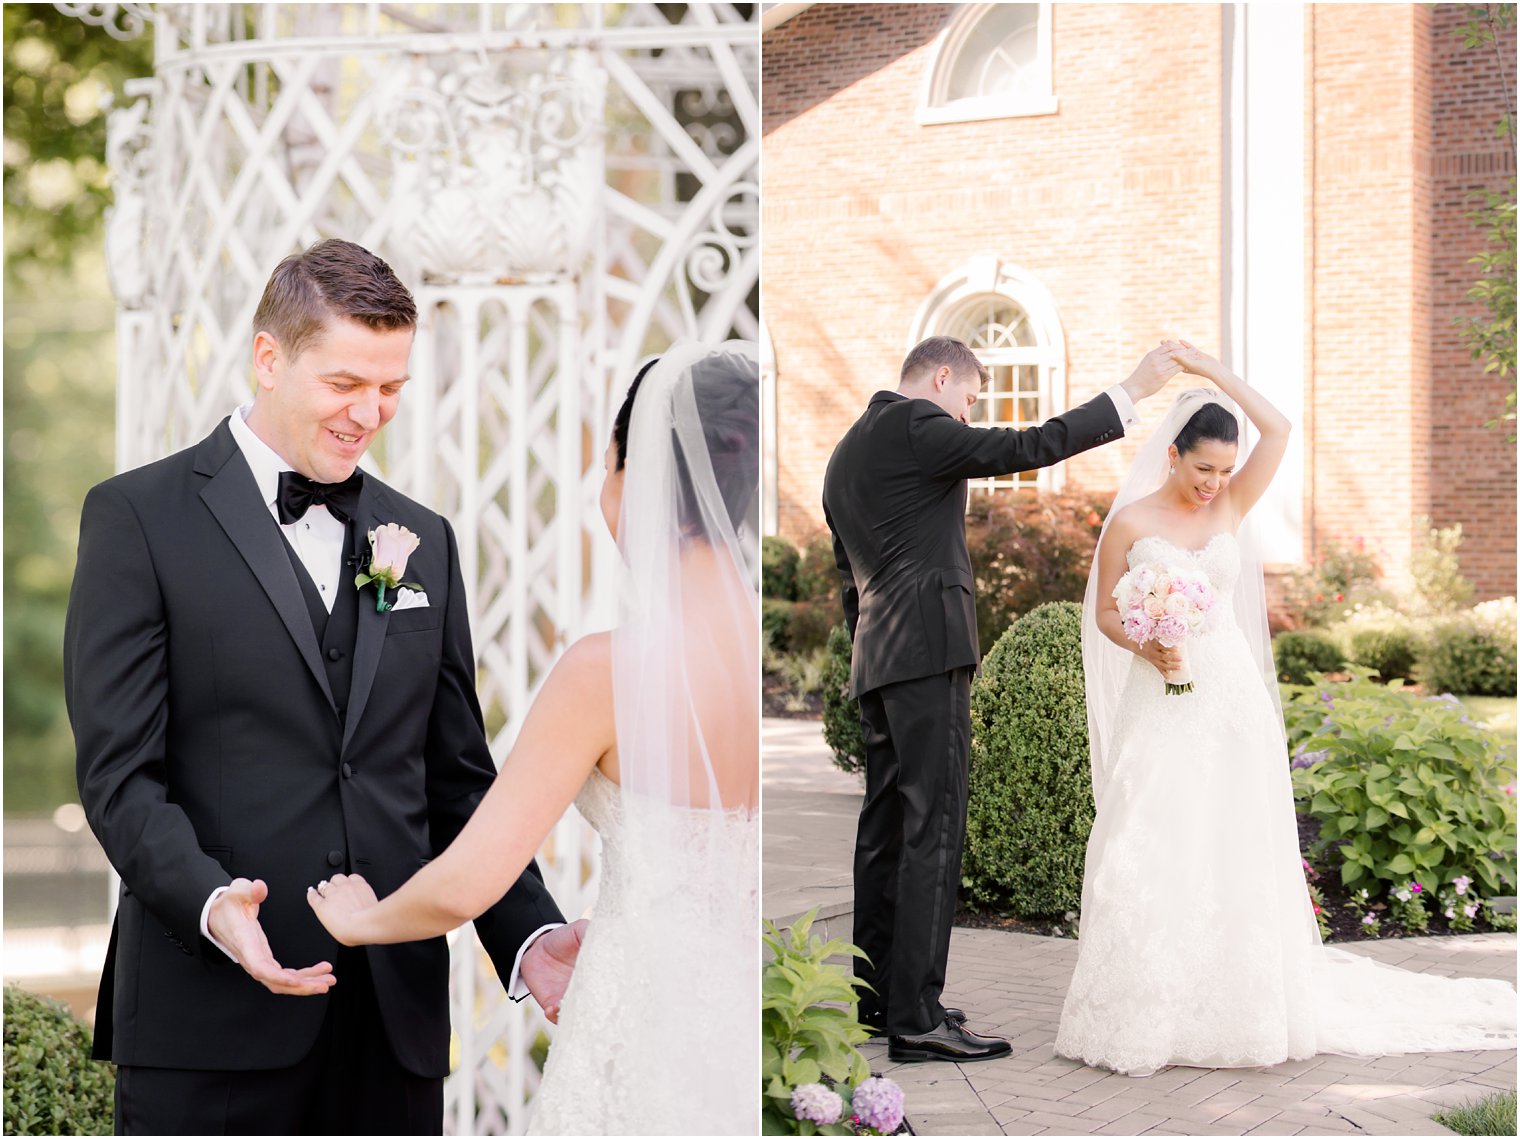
{"points": [[1113, 203], [1472, 469]]}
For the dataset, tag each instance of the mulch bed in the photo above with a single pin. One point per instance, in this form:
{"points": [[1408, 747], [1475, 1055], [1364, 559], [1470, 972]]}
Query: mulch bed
{"points": [[1345, 923]]}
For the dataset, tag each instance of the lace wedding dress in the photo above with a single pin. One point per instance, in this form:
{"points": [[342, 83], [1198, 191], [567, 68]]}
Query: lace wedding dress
{"points": [[1198, 942], [635, 1056]]}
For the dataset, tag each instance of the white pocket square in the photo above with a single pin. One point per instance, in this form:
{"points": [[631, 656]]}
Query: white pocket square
{"points": [[410, 599]]}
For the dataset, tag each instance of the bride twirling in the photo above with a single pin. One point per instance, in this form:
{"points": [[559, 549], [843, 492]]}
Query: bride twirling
{"points": [[653, 731], [1198, 942]]}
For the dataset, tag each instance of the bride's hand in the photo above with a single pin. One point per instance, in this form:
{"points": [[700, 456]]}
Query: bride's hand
{"points": [[1193, 361], [1150, 375], [1164, 659], [338, 902]]}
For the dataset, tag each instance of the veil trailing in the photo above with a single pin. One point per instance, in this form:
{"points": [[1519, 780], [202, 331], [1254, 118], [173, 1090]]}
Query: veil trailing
{"points": [[686, 659], [685, 905], [1107, 666]]}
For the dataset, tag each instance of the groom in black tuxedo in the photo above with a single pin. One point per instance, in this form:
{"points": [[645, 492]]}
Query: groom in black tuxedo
{"points": [[249, 723], [894, 496]]}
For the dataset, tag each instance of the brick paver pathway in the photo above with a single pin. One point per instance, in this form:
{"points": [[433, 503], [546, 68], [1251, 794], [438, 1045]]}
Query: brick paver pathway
{"points": [[1013, 984]]}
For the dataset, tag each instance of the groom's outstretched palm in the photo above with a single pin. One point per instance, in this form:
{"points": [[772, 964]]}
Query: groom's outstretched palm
{"points": [[548, 963], [234, 921]]}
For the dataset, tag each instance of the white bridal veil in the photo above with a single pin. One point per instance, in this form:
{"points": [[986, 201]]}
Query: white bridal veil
{"points": [[1104, 663]]}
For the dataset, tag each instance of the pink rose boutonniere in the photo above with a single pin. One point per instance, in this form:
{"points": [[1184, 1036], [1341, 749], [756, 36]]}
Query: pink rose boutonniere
{"points": [[389, 548]]}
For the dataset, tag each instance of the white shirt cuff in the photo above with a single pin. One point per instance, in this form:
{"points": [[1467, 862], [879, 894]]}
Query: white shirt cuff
{"points": [[1123, 405], [206, 919], [516, 988]]}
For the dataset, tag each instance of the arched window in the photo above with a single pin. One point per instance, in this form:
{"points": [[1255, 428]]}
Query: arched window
{"points": [[1009, 320], [992, 61]]}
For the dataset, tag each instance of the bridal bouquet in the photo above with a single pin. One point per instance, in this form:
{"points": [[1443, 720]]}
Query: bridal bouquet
{"points": [[1159, 602]]}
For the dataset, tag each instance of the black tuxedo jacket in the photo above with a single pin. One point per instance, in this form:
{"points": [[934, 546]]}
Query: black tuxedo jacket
{"points": [[894, 497], [210, 746]]}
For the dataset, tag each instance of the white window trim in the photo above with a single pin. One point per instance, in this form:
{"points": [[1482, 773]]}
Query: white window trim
{"points": [[987, 275], [933, 110]]}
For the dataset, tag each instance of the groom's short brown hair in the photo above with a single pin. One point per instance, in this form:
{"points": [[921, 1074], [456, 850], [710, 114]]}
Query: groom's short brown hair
{"points": [[929, 356], [333, 278]]}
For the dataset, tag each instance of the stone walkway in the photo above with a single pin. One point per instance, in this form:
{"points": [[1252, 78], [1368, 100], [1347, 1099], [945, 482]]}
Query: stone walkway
{"points": [[1013, 984]]}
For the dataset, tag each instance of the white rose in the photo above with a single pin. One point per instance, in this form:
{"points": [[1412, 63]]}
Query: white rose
{"points": [[390, 547]]}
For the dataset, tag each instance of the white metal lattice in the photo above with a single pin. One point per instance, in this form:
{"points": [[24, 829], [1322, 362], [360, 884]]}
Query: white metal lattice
{"points": [[567, 188]]}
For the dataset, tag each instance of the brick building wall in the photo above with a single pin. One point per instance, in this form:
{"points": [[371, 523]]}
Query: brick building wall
{"points": [[1115, 204], [1471, 468]]}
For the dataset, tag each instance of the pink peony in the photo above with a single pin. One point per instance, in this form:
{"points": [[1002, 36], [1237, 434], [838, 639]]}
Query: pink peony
{"points": [[1138, 627], [1171, 631]]}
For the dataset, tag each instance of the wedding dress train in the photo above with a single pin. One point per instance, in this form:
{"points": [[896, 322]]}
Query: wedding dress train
{"points": [[1198, 943]]}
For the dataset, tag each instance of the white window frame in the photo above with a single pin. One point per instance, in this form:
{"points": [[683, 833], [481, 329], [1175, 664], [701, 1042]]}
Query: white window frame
{"points": [[933, 105], [976, 280]]}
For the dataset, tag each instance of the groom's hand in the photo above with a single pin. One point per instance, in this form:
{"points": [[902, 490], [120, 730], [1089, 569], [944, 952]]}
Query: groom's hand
{"points": [[1150, 375], [234, 921], [548, 963]]}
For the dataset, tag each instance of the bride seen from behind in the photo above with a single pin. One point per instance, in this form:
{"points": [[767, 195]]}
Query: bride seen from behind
{"points": [[1198, 943], [652, 730]]}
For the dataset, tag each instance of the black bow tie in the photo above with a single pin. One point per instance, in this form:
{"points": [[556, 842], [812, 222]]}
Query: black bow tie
{"points": [[299, 493]]}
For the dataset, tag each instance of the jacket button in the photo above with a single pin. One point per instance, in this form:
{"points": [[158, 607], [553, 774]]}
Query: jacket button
{"points": [[334, 654], [335, 858], [348, 771]]}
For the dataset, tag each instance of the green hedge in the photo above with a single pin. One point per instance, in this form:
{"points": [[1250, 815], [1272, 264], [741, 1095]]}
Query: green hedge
{"points": [[52, 1087], [841, 715], [778, 569], [1298, 654], [1031, 804], [1468, 656], [1390, 650]]}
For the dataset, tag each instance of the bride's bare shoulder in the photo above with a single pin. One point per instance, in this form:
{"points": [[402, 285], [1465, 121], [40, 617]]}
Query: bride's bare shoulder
{"points": [[587, 664]]}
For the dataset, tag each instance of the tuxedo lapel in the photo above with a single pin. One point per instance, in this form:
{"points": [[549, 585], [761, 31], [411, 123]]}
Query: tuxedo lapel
{"points": [[370, 637], [233, 498]]}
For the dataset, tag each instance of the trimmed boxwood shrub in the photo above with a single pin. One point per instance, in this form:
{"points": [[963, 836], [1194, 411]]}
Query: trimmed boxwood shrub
{"points": [[809, 622], [1300, 653], [841, 715], [52, 1087], [1467, 656], [1031, 802], [1389, 650]]}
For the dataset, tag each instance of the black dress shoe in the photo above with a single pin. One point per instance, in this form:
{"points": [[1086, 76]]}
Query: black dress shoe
{"points": [[878, 1025], [950, 1041]]}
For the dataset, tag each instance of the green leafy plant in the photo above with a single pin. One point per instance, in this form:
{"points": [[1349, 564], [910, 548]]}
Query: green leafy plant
{"points": [[1031, 805], [1300, 655], [52, 1086], [808, 1024], [841, 714], [1404, 787], [1435, 570]]}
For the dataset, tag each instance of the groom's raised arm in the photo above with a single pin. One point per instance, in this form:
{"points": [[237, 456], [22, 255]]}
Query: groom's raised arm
{"points": [[945, 448], [116, 686], [460, 771]]}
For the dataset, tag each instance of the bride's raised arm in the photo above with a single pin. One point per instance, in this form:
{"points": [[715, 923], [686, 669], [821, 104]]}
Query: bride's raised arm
{"points": [[569, 728], [1251, 480]]}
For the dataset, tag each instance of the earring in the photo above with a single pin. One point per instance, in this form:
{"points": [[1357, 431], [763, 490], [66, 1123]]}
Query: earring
{"points": [[1173, 471]]}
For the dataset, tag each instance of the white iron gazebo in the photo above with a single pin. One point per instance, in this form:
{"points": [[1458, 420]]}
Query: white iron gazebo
{"points": [[566, 188]]}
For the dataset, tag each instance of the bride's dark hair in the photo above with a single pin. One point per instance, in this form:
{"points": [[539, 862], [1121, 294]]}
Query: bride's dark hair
{"points": [[1210, 422], [728, 403]]}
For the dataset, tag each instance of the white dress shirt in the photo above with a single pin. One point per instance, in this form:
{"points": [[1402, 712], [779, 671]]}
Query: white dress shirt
{"points": [[1124, 406], [318, 540]]}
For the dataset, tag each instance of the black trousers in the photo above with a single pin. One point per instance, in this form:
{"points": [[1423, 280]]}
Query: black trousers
{"points": [[349, 1084], [908, 847]]}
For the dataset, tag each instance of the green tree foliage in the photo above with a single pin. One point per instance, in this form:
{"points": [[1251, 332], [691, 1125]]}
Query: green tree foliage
{"points": [[59, 360]]}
